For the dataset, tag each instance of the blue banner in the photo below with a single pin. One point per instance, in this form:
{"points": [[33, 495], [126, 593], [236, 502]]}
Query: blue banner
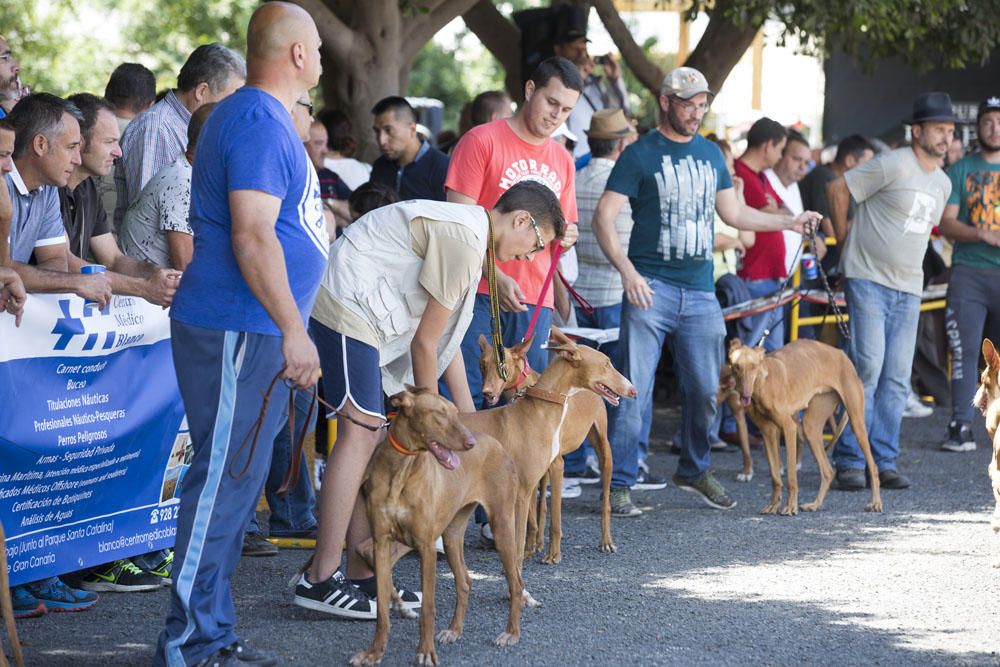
{"points": [[93, 443]]}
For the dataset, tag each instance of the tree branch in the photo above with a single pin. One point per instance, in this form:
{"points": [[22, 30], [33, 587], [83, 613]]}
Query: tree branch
{"points": [[644, 69], [338, 39], [723, 44], [418, 32], [501, 38]]}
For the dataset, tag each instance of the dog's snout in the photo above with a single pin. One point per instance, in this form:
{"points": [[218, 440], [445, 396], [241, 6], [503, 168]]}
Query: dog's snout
{"points": [[630, 391], [470, 441]]}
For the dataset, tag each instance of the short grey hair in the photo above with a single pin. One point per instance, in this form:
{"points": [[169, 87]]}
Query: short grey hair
{"points": [[39, 113], [213, 64]]}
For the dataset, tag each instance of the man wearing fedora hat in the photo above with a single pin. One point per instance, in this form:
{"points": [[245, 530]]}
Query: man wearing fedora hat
{"points": [[972, 221], [675, 181], [900, 196]]}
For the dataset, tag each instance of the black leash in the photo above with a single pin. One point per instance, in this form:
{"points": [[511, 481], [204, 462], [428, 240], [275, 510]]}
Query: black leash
{"points": [[831, 299]]}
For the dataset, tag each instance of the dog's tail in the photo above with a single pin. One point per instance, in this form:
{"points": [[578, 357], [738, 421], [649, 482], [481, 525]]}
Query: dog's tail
{"points": [[7, 606], [837, 428]]}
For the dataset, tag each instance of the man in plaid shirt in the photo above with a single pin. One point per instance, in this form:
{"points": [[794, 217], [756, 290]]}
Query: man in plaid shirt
{"points": [[157, 137]]}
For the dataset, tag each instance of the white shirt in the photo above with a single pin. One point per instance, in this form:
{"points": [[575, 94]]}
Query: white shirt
{"points": [[793, 202], [353, 173]]}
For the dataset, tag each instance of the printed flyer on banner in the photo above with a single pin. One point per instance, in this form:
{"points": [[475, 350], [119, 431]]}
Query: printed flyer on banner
{"points": [[92, 444]]}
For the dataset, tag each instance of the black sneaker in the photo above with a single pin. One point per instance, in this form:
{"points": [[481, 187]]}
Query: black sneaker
{"points": [[254, 544], [588, 476], [411, 599], [890, 479], [336, 595], [248, 655], [959, 439], [645, 481], [164, 569], [708, 489], [121, 576], [850, 480]]}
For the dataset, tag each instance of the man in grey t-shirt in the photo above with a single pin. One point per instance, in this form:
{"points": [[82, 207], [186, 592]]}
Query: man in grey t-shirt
{"points": [[900, 197]]}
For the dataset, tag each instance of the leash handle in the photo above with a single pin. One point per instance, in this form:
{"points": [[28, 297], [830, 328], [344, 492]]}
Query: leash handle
{"points": [[587, 308], [556, 254]]}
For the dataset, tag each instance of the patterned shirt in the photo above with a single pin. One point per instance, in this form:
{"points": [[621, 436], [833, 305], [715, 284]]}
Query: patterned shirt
{"points": [[162, 207], [599, 282], [151, 141]]}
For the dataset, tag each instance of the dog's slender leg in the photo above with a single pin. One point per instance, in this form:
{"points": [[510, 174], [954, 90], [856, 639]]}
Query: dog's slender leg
{"points": [[508, 547], [853, 395], [555, 475], [739, 414], [819, 412], [532, 528], [520, 511], [791, 432], [772, 439], [383, 583], [7, 607], [543, 506], [454, 549], [602, 448], [426, 654]]}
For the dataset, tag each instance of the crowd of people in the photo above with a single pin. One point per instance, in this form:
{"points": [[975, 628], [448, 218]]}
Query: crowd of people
{"points": [[281, 255]]}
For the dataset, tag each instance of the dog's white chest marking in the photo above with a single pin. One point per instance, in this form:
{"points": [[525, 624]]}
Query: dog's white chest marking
{"points": [[556, 436]]}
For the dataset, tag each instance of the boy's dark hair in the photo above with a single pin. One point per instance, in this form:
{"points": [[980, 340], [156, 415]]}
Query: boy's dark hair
{"points": [[484, 105], [397, 105], [539, 201], [560, 68], [89, 105], [602, 147], [132, 87], [370, 196], [795, 135], [339, 131], [855, 146], [765, 131]]}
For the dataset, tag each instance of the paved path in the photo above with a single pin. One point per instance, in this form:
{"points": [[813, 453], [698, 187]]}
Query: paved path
{"points": [[688, 586]]}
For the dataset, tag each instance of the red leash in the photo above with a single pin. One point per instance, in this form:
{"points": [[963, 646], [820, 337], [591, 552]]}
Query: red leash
{"points": [[556, 254]]}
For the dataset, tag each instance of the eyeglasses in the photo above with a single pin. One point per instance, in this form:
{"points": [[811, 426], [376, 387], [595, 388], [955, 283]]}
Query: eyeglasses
{"points": [[688, 107], [307, 105], [538, 235]]}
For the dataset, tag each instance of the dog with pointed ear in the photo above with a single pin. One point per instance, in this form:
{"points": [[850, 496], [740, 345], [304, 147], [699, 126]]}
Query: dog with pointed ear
{"points": [[987, 398], [565, 347]]}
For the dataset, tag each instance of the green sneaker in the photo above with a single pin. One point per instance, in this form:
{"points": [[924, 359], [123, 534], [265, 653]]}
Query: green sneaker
{"points": [[121, 576], [621, 504], [708, 489], [164, 568]]}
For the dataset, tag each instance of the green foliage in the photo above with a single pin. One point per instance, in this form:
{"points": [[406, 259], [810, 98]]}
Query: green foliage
{"points": [[645, 106]]}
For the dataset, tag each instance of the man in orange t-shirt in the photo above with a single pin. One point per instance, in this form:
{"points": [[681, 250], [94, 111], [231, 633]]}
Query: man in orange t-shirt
{"points": [[487, 161]]}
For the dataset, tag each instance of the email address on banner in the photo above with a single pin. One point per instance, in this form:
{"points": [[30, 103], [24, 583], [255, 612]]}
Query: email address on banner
{"points": [[126, 541]]}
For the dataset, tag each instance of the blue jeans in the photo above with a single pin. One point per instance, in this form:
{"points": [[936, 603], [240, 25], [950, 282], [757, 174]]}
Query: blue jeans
{"points": [[293, 512], [514, 326], [771, 319], [883, 328], [693, 321]]}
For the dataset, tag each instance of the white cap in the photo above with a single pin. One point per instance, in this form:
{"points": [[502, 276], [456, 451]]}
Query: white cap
{"points": [[563, 131]]}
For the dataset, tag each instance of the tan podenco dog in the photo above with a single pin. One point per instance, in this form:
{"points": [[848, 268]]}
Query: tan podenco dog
{"points": [[988, 401], [423, 481], [775, 387]]}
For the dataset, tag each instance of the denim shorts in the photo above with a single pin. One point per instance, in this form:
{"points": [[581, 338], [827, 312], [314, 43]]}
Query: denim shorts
{"points": [[350, 371]]}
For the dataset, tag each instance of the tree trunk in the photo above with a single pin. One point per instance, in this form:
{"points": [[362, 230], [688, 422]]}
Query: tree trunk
{"points": [[722, 45], [501, 38]]}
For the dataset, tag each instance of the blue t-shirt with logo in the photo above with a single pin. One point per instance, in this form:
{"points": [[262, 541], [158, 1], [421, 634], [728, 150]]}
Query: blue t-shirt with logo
{"points": [[249, 143], [671, 187]]}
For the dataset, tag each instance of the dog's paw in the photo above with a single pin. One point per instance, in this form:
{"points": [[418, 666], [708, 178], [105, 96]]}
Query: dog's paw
{"points": [[507, 639], [529, 601], [427, 658], [874, 506], [770, 509], [366, 658], [744, 477], [608, 547], [448, 637], [810, 507], [789, 510], [552, 558]]}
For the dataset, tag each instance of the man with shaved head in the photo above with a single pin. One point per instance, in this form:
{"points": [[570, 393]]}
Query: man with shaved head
{"points": [[238, 323]]}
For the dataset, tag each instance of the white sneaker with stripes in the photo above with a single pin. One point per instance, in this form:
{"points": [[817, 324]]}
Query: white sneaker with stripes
{"points": [[336, 596]]}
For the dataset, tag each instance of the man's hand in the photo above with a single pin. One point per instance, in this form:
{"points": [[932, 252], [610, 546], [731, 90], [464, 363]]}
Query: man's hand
{"points": [[509, 294], [570, 236], [301, 360], [612, 69], [805, 222], [161, 286], [638, 291], [12, 295], [990, 236], [95, 287]]}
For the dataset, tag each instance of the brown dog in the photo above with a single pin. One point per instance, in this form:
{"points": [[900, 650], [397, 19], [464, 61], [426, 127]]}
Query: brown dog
{"points": [[775, 387], [988, 401], [7, 608], [727, 394], [530, 428], [586, 417], [423, 481]]}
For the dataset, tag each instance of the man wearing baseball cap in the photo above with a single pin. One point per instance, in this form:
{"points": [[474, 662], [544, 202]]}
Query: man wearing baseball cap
{"points": [[900, 195], [675, 181], [972, 221]]}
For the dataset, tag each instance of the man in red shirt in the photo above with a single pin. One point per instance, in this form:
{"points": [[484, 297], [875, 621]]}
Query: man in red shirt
{"points": [[764, 264], [488, 160]]}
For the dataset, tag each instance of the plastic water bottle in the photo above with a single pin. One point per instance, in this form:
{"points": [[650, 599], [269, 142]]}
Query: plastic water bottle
{"points": [[809, 269], [89, 269]]}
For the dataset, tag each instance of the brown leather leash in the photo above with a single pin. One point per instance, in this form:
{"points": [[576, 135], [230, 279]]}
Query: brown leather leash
{"points": [[292, 475]]}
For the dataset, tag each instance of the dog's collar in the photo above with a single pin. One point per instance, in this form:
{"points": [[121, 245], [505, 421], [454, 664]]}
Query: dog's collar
{"points": [[524, 375], [398, 446], [545, 395]]}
